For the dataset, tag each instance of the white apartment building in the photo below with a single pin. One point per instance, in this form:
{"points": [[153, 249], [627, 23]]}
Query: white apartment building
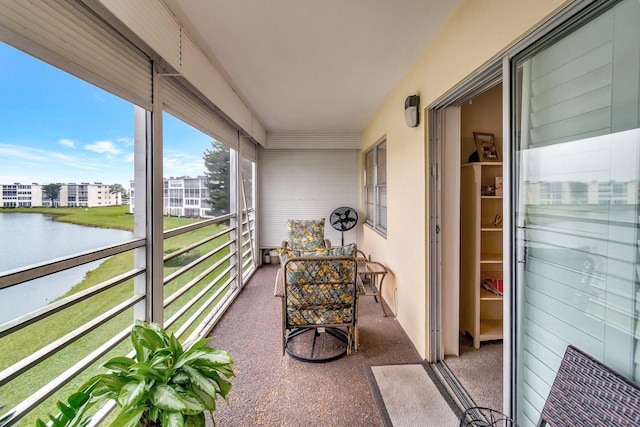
{"points": [[20, 195], [71, 195], [182, 196]]}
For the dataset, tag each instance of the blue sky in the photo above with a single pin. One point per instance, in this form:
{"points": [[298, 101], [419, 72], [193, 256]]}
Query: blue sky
{"points": [[55, 127]]}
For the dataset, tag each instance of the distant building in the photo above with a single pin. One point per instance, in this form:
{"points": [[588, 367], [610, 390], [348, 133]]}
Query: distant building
{"points": [[183, 196], [21, 195], [71, 195]]}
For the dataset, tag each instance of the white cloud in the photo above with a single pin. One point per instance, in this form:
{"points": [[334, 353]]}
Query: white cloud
{"points": [[103, 147], [67, 143], [126, 141], [182, 164], [129, 158], [22, 153]]}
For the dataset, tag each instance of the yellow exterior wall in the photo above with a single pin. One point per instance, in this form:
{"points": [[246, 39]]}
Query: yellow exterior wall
{"points": [[479, 31]]}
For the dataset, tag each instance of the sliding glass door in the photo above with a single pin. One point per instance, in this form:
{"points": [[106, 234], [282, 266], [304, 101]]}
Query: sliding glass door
{"points": [[576, 171]]}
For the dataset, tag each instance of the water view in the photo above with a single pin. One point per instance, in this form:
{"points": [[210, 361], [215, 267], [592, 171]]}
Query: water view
{"points": [[28, 239]]}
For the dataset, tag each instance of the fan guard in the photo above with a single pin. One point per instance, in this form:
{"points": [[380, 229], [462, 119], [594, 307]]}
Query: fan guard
{"points": [[343, 219]]}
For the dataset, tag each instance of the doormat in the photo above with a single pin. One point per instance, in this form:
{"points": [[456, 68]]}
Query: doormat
{"points": [[411, 395]]}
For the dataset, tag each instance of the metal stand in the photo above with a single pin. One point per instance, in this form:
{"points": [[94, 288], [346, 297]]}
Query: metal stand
{"points": [[326, 344]]}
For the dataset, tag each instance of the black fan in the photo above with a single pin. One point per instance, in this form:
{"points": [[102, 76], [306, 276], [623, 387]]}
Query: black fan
{"points": [[343, 219]]}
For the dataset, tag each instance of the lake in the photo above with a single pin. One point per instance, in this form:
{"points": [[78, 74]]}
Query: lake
{"points": [[27, 239]]}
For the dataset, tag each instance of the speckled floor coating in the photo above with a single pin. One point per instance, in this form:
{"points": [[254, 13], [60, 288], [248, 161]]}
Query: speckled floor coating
{"points": [[275, 390]]}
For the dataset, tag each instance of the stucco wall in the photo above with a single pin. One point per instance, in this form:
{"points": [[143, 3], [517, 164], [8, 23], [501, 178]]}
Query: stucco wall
{"points": [[479, 31]]}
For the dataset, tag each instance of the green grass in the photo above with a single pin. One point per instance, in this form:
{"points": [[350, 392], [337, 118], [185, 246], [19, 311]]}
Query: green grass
{"points": [[30, 339], [104, 217]]}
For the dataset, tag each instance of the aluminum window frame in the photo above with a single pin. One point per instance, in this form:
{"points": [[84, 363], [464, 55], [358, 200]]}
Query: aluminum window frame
{"points": [[375, 187]]}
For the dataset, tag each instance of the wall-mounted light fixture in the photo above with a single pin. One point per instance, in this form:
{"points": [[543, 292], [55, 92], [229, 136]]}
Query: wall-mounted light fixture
{"points": [[411, 110]]}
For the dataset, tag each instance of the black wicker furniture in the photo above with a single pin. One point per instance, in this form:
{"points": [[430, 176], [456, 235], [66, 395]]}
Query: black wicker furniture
{"points": [[584, 393]]}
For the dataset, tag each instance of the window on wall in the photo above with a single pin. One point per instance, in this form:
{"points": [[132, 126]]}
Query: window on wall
{"points": [[375, 187]]}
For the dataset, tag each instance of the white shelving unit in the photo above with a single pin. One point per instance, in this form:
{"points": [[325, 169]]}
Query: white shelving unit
{"points": [[480, 252]]}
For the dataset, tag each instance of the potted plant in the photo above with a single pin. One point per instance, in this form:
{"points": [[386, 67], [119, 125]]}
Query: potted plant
{"points": [[167, 384]]}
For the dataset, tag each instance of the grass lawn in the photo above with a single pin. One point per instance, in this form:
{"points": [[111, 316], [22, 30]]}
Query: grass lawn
{"points": [[28, 340], [104, 217]]}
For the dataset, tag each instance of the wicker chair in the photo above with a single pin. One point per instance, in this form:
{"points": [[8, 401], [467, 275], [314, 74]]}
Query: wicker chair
{"points": [[584, 393], [319, 307]]}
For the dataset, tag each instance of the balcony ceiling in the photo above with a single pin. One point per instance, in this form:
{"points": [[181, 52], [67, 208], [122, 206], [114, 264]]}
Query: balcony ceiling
{"points": [[313, 66]]}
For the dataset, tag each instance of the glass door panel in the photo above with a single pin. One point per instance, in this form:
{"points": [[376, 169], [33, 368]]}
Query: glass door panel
{"points": [[577, 170]]}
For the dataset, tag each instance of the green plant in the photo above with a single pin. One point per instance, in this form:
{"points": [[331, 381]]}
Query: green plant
{"points": [[167, 384], [4, 418]]}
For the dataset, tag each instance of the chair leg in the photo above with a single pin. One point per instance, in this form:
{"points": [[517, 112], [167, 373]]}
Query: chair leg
{"points": [[355, 336]]}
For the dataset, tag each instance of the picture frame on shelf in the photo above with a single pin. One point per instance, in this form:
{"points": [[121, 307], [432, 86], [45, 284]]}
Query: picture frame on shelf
{"points": [[486, 147]]}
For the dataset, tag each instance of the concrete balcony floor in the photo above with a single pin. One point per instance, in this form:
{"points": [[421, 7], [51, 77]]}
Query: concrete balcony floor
{"points": [[275, 390]]}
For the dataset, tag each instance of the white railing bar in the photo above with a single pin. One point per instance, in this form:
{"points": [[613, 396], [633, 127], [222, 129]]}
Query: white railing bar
{"points": [[170, 299], [246, 275], [218, 311], [36, 315], [195, 245], [27, 405], [195, 226], [205, 305], [35, 271], [192, 303], [248, 261], [28, 362], [192, 264]]}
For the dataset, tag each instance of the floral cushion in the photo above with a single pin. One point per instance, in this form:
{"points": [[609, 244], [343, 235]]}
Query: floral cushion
{"points": [[320, 292], [305, 234], [347, 250]]}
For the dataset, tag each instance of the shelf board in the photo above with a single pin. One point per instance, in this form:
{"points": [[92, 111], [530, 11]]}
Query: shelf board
{"points": [[486, 295], [490, 228], [490, 329], [491, 197], [490, 258]]}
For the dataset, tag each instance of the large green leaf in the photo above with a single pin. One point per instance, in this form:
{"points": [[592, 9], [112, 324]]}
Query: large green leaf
{"points": [[172, 419], [166, 398], [67, 411], [147, 336], [130, 418], [196, 344], [119, 364], [175, 346], [132, 394], [180, 378], [142, 370], [225, 387], [205, 356], [199, 380], [194, 420], [214, 373], [193, 402], [208, 400]]}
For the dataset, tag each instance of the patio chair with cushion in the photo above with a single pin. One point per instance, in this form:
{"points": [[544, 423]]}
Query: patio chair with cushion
{"points": [[305, 235], [319, 306], [318, 287]]}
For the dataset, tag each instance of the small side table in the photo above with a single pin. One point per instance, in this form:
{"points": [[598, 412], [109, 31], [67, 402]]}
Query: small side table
{"points": [[372, 274]]}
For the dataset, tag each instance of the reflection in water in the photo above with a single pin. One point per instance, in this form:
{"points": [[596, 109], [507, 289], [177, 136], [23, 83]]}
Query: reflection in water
{"points": [[29, 239]]}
